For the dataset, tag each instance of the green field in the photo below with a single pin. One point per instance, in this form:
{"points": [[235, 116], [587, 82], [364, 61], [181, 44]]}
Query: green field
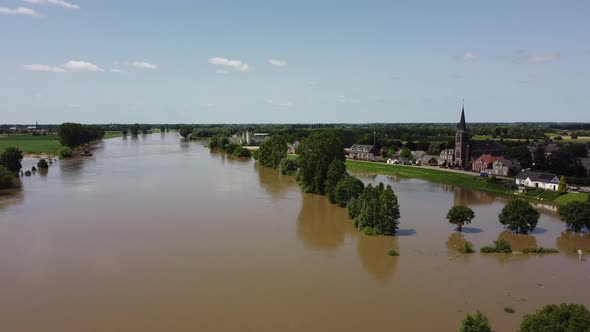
{"points": [[30, 144]]}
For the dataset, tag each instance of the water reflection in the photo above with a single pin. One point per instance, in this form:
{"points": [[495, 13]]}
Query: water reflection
{"points": [[373, 252], [10, 197], [273, 182], [322, 225], [467, 197], [455, 242], [518, 241], [569, 243]]}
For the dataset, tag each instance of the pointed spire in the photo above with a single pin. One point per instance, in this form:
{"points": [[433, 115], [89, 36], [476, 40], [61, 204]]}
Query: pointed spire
{"points": [[462, 125]]}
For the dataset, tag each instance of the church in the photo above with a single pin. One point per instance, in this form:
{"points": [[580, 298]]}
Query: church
{"points": [[467, 151]]}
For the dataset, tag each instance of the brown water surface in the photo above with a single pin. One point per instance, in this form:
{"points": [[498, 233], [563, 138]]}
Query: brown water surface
{"points": [[151, 234]]}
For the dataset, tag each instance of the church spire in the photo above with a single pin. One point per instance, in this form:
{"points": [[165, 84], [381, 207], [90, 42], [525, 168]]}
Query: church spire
{"points": [[462, 125]]}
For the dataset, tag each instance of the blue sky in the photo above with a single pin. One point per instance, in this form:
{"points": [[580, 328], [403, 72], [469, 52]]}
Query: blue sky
{"points": [[293, 61]]}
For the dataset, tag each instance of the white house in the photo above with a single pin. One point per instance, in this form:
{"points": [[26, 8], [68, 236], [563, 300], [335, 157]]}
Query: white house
{"points": [[537, 180]]}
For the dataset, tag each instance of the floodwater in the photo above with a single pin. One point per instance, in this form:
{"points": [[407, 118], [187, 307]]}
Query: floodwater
{"points": [[152, 234]]}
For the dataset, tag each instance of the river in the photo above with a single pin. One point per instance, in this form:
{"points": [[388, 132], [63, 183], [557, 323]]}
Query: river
{"points": [[154, 234]]}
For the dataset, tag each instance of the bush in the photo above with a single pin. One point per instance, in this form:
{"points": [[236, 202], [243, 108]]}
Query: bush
{"points": [[487, 249], [393, 253], [346, 189], [477, 322], [288, 166], [466, 248], [11, 158], [66, 153], [500, 246], [562, 318], [540, 250], [241, 152], [6, 177], [42, 164], [370, 231], [509, 310]]}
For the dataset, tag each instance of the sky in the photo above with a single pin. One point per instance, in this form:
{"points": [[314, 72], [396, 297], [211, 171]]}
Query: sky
{"points": [[181, 61]]}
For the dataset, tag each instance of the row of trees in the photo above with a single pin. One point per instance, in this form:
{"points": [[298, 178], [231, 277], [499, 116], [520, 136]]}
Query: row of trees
{"points": [[75, 134], [550, 318]]}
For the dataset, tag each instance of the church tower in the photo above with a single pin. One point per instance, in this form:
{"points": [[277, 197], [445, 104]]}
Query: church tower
{"points": [[462, 142]]}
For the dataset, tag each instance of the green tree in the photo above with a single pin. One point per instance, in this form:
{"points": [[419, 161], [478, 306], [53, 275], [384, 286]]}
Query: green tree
{"points": [[162, 128], [6, 177], [336, 171], [316, 154], [288, 166], [348, 188], [522, 154], [378, 210], [460, 215], [11, 158], [42, 164], [562, 187], [353, 207], [135, 129], [185, 131], [406, 153], [124, 131], [477, 322], [241, 152], [390, 214], [553, 318], [272, 151], [576, 215], [519, 216]]}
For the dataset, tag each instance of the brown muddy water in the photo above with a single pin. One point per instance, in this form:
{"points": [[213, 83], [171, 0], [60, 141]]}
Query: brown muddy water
{"points": [[151, 234]]}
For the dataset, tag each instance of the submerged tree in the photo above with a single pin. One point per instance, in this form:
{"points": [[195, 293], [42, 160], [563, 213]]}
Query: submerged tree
{"points": [[376, 210], [317, 152], [562, 318], [185, 131], [272, 151], [576, 215], [460, 215], [519, 216], [11, 158], [477, 322], [347, 188], [336, 171]]}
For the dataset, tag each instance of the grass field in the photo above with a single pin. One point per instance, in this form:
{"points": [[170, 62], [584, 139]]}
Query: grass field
{"points": [[30, 144], [570, 197]]}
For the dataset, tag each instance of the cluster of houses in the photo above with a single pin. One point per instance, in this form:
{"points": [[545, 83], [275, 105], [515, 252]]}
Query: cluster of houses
{"points": [[486, 157], [35, 130]]}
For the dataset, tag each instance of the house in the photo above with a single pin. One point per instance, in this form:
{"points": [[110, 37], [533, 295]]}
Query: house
{"points": [[399, 161], [418, 154], [292, 149], [427, 160], [484, 163], [537, 180], [363, 152], [506, 167], [447, 156]]}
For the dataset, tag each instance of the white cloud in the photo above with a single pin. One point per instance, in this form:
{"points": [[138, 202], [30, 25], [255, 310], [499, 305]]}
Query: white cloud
{"points": [[468, 57], [234, 64], [18, 11], [144, 65], [60, 3], [278, 62], [222, 72], [75, 66], [524, 56], [37, 67]]}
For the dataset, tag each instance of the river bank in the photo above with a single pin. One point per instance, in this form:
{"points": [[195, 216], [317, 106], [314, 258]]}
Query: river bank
{"points": [[468, 181]]}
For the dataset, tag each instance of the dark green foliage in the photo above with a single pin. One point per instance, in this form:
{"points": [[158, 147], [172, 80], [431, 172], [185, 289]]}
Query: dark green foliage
{"points": [[42, 164], [135, 129], [185, 131], [124, 132], [74, 134], [317, 152], [522, 154], [11, 158], [347, 188], [519, 216], [241, 152], [378, 210], [540, 250], [509, 310], [406, 153], [500, 246], [218, 142], [288, 166], [65, 153], [336, 171], [576, 215], [393, 252], [353, 207], [466, 248], [6, 177], [553, 318], [477, 322], [272, 151], [460, 215]]}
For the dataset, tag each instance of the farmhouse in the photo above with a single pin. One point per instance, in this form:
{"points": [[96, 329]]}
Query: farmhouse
{"points": [[537, 180], [484, 164], [363, 152]]}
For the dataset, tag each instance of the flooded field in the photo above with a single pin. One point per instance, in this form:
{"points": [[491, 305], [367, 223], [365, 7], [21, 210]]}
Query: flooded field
{"points": [[153, 234]]}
